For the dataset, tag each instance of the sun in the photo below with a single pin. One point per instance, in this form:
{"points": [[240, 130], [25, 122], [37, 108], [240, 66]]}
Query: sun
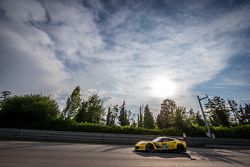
{"points": [[162, 87]]}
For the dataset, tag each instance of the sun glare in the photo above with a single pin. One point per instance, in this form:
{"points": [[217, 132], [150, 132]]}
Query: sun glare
{"points": [[163, 88]]}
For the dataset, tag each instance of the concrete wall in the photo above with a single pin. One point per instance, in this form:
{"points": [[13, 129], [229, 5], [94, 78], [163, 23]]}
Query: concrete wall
{"points": [[86, 137]]}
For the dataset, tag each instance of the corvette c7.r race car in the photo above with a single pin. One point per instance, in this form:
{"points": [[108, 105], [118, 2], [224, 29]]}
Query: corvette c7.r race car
{"points": [[162, 144]]}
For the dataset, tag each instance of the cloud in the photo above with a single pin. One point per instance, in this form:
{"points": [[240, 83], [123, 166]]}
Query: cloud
{"points": [[118, 49], [28, 62]]}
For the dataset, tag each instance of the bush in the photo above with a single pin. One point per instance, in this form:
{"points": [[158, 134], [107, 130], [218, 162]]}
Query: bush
{"points": [[196, 131], [240, 131], [28, 110]]}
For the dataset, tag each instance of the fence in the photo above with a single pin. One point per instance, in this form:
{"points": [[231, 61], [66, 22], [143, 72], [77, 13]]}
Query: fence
{"points": [[109, 138]]}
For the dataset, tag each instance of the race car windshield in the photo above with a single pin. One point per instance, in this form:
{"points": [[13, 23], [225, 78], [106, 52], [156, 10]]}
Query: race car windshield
{"points": [[158, 139]]}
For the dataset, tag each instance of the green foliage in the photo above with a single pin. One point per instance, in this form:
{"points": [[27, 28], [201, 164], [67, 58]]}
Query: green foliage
{"points": [[22, 111], [165, 117], [240, 131], [114, 115], [108, 120], [219, 114], [72, 104], [91, 110], [95, 109], [41, 112], [244, 114], [82, 114], [175, 116], [196, 131], [72, 125], [148, 118], [140, 117], [179, 118], [124, 115], [199, 120], [5, 94]]}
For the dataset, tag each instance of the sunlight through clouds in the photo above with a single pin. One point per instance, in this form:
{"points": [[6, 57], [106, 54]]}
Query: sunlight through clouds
{"points": [[119, 48]]}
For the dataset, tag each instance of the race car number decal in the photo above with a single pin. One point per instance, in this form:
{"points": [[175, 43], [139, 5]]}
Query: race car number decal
{"points": [[164, 146]]}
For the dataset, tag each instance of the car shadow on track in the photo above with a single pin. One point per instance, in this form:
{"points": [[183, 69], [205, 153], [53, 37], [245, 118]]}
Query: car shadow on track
{"points": [[115, 147], [222, 155], [165, 155]]}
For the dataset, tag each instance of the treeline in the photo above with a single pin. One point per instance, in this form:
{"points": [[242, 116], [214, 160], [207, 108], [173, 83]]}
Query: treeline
{"points": [[42, 112], [227, 114], [92, 110]]}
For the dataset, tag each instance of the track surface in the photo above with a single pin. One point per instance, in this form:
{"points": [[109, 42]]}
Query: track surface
{"points": [[46, 154]]}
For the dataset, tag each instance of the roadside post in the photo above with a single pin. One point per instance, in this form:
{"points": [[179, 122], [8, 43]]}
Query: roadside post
{"points": [[204, 116]]}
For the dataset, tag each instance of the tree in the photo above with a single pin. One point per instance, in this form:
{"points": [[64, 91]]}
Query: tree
{"points": [[233, 108], [190, 116], [114, 114], [28, 111], [72, 104], [219, 114], [95, 109], [247, 113], [5, 94], [165, 117], [133, 123], [199, 119], [140, 117], [244, 114], [179, 118], [148, 118], [82, 114], [123, 116], [108, 120]]}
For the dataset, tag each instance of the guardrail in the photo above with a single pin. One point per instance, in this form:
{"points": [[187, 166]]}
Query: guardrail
{"points": [[110, 138]]}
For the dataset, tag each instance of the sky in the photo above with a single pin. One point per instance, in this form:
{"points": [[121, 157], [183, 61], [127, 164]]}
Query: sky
{"points": [[140, 51]]}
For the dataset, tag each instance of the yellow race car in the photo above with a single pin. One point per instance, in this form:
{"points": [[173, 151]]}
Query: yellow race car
{"points": [[162, 144]]}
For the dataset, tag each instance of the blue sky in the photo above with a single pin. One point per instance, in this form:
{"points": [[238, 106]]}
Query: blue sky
{"points": [[137, 51]]}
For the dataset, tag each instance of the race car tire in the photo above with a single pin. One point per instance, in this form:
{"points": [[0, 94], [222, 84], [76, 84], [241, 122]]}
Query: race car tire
{"points": [[150, 148], [181, 149]]}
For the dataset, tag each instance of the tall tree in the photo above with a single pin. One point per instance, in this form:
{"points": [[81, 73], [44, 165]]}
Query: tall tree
{"points": [[233, 108], [190, 116], [123, 116], [165, 117], [244, 114], [108, 119], [91, 110], [140, 117], [134, 124], [95, 110], [148, 118], [247, 112], [82, 114], [199, 119], [219, 114], [179, 118], [114, 114], [72, 104]]}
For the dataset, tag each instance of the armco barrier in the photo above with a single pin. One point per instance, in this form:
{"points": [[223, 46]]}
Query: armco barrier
{"points": [[86, 137]]}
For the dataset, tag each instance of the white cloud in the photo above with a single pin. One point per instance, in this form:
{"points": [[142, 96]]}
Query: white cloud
{"points": [[23, 11], [29, 62], [118, 58], [76, 34]]}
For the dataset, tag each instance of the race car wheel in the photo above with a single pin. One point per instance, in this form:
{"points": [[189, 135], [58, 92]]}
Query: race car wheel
{"points": [[149, 147], [181, 149]]}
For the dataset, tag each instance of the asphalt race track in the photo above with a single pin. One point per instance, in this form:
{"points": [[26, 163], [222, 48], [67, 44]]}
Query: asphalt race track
{"points": [[46, 154]]}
